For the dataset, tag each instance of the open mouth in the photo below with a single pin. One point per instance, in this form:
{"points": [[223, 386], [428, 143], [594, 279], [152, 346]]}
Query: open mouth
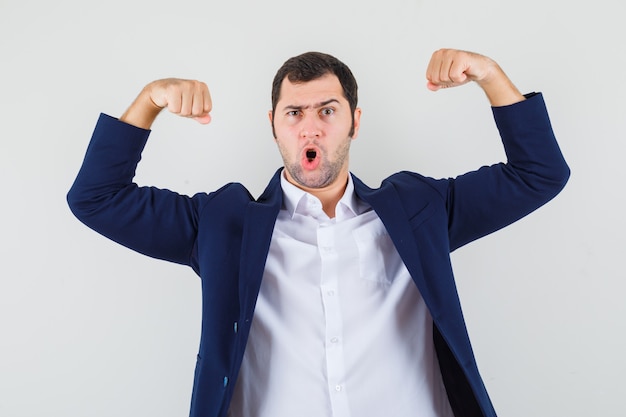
{"points": [[311, 154], [311, 157]]}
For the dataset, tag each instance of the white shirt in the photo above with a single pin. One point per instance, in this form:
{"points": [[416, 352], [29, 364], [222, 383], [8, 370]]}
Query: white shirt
{"points": [[340, 328]]}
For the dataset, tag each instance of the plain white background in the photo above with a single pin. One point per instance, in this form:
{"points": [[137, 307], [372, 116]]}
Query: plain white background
{"points": [[89, 328]]}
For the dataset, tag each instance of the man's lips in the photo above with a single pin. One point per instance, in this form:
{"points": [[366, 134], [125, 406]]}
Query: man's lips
{"points": [[310, 157]]}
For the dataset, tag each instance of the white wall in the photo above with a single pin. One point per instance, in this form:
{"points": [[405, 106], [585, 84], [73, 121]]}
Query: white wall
{"points": [[88, 328]]}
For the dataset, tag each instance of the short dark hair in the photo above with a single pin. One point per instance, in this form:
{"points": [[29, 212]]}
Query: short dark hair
{"points": [[311, 66]]}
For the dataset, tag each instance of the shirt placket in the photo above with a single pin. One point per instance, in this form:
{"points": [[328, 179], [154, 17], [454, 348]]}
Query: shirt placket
{"points": [[335, 364]]}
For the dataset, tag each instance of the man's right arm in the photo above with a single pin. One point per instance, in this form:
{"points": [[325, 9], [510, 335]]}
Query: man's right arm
{"points": [[159, 223]]}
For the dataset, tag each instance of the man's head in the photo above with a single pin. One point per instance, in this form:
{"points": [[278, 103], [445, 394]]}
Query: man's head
{"points": [[313, 65], [314, 119]]}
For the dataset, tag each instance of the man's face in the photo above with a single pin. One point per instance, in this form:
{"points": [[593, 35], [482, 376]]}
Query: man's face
{"points": [[312, 123]]}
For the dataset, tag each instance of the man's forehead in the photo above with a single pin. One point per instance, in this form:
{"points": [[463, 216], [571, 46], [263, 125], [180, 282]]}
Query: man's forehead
{"points": [[319, 91]]}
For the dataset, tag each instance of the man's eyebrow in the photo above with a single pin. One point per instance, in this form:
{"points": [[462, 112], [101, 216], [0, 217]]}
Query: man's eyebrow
{"points": [[315, 106]]}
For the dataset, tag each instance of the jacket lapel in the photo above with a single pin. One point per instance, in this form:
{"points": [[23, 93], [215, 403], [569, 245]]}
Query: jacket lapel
{"points": [[257, 235], [387, 204]]}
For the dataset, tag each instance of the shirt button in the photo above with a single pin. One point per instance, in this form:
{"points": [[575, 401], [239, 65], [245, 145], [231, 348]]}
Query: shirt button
{"points": [[334, 340], [330, 293], [338, 388]]}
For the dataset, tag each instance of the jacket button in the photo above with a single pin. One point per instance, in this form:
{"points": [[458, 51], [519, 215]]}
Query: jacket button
{"points": [[235, 327], [225, 381]]}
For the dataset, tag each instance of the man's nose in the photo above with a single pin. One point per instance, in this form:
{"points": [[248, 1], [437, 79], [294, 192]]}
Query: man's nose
{"points": [[310, 127]]}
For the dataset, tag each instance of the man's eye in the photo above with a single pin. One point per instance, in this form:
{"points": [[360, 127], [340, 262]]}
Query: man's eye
{"points": [[328, 111], [293, 113]]}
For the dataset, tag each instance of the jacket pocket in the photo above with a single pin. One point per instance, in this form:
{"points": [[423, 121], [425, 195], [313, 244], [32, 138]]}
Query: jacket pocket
{"points": [[422, 216]]}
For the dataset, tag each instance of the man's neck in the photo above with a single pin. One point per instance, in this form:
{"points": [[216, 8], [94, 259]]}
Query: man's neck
{"points": [[329, 195]]}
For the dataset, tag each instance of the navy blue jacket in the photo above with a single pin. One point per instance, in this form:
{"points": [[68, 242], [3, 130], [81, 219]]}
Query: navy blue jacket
{"points": [[225, 236]]}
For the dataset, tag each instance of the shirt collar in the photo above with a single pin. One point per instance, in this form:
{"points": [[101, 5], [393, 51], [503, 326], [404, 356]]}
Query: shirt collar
{"points": [[295, 199]]}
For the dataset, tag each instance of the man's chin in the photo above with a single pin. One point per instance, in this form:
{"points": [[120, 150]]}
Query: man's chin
{"points": [[310, 180]]}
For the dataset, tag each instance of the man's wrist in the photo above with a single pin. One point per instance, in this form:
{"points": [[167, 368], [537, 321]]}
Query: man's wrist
{"points": [[142, 112], [500, 90]]}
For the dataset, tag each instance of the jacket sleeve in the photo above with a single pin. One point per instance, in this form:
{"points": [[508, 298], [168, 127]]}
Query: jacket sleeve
{"points": [[156, 222], [483, 201]]}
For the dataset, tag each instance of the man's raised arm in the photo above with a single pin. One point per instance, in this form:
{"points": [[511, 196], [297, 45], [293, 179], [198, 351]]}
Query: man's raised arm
{"points": [[106, 199], [485, 200]]}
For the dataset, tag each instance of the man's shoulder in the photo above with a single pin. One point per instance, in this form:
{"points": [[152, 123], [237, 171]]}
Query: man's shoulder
{"points": [[410, 190], [408, 181], [234, 197]]}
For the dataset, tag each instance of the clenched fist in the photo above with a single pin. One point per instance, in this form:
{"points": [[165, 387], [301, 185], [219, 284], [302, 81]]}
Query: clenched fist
{"points": [[186, 98], [452, 68]]}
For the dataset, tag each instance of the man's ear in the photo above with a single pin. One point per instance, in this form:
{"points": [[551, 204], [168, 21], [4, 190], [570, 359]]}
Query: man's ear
{"points": [[357, 122], [270, 116]]}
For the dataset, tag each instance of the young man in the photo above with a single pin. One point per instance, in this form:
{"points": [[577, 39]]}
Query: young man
{"points": [[325, 296]]}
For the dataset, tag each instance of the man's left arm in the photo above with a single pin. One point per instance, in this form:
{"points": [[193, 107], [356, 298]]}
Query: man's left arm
{"points": [[490, 198]]}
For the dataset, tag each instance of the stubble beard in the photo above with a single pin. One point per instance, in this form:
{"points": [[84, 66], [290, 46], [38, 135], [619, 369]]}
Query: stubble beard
{"points": [[327, 172]]}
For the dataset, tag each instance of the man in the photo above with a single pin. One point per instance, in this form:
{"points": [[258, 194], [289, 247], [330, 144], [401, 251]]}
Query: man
{"points": [[325, 296]]}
